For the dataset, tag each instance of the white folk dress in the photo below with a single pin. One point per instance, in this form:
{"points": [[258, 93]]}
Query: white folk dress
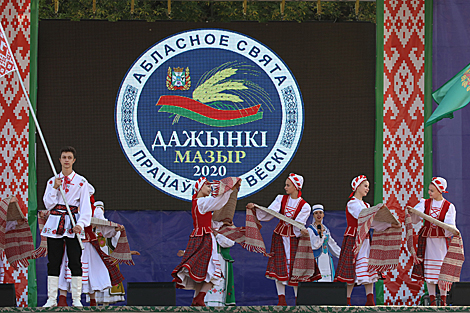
{"points": [[302, 217], [363, 276], [77, 194], [436, 248], [323, 248], [216, 295], [95, 274], [107, 296]]}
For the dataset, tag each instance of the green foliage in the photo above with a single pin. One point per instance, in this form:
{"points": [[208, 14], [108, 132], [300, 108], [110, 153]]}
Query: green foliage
{"points": [[207, 11]]}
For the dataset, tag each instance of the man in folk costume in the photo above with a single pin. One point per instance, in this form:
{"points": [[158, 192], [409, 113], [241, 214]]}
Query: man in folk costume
{"points": [[58, 228], [354, 269], [99, 274], [432, 245], [285, 239], [323, 245], [200, 268]]}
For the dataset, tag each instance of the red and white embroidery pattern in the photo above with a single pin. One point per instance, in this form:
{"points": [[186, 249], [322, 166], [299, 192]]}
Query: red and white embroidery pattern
{"points": [[289, 211], [403, 129], [435, 212], [14, 124]]}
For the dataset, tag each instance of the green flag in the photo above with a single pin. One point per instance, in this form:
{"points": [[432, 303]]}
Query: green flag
{"points": [[452, 96]]}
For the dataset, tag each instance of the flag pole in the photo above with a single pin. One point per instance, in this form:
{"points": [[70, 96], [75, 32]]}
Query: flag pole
{"points": [[42, 139]]}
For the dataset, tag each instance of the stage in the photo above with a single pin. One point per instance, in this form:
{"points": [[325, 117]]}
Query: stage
{"points": [[244, 309]]}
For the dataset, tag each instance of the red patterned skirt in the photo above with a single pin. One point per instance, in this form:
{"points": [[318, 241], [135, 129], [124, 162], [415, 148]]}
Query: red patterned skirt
{"points": [[277, 264], [195, 259], [418, 269], [346, 270]]}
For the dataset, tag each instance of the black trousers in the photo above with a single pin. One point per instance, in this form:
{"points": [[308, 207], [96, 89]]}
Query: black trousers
{"points": [[55, 253]]}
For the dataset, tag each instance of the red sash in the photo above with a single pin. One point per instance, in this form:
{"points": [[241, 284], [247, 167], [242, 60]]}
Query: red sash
{"points": [[61, 210]]}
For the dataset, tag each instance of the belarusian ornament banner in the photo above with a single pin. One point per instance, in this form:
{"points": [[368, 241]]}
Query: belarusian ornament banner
{"points": [[403, 129], [14, 123]]}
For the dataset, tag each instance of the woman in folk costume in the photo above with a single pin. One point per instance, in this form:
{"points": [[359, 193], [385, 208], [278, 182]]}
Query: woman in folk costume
{"points": [[323, 245], [105, 233], [107, 245], [96, 276], [115, 293], [285, 236], [354, 269], [223, 294], [200, 268], [432, 246]]}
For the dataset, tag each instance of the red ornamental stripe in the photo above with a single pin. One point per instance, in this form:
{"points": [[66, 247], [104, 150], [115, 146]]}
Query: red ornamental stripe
{"points": [[205, 110]]}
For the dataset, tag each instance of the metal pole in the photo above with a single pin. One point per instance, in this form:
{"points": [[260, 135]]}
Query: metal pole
{"points": [[44, 143]]}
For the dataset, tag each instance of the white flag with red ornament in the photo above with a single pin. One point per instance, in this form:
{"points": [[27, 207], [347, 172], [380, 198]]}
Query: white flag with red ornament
{"points": [[7, 64]]}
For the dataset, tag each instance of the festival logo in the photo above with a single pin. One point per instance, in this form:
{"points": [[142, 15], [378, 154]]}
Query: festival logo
{"points": [[209, 102]]}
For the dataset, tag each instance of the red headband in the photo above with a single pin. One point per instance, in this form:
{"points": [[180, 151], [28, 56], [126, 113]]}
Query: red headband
{"points": [[440, 186], [356, 182], [297, 181]]}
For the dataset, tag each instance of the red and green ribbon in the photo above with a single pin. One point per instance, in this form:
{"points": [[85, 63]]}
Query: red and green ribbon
{"points": [[207, 115]]}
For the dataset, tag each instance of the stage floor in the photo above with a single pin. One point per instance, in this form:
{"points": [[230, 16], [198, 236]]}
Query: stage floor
{"points": [[244, 309]]}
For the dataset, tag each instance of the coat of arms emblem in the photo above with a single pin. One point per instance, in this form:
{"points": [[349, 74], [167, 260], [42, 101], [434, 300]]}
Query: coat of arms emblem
{"points": [[178, 79]]}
